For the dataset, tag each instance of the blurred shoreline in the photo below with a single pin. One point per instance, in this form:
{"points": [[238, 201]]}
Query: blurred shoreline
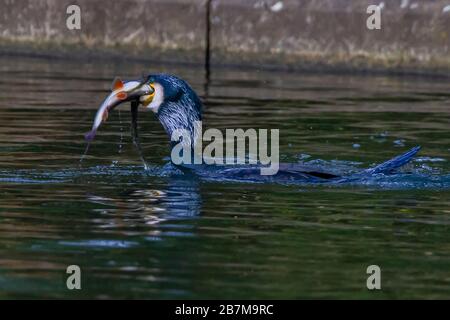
{"points": [[321, 35]]}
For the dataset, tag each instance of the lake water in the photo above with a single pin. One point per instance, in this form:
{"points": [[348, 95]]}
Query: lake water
{"points": [[156, 234]]}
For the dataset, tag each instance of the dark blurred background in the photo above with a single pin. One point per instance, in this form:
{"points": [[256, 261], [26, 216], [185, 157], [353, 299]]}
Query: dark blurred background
{"points": [[413, 37]]}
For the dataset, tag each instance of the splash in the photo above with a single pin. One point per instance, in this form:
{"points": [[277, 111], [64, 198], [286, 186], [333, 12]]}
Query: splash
{"points": [[414, 178]]}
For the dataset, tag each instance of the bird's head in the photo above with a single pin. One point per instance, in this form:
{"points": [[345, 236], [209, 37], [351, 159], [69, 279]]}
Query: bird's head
{"points": [[174, 102]]}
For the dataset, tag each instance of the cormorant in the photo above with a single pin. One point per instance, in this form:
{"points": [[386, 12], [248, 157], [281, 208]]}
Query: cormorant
{"points": [[177, 107]]}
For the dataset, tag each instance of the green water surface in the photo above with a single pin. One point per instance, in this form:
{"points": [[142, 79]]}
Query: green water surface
{"points": [[136, 235]]}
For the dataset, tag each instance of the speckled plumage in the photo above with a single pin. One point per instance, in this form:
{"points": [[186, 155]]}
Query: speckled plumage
{"points": [[180, 108]]}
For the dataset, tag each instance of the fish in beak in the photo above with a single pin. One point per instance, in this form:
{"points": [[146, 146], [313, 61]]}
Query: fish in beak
{"points": [[121, 92]]}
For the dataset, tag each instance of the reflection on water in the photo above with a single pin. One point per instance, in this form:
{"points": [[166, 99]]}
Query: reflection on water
{"points": [[160, 234], [179, 200]]}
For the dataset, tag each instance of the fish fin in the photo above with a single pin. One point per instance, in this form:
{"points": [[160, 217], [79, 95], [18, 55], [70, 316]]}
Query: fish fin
{"points": [[122, 95], [105, 116], [90, 135], [117, 84], [394, 163]]}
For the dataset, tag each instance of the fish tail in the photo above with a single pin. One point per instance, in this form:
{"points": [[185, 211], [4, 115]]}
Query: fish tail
{"points": [[90, 135]]}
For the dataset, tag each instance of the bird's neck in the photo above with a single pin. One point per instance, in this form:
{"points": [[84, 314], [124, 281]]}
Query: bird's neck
{"points": [[177, 125], [184, 132]]}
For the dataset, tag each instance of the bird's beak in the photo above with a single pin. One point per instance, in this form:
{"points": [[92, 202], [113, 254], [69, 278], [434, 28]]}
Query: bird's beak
{"points": [[121, 92]]}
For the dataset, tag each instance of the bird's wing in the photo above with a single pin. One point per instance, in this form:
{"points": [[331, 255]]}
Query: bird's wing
{"points": [[286, 171]]}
